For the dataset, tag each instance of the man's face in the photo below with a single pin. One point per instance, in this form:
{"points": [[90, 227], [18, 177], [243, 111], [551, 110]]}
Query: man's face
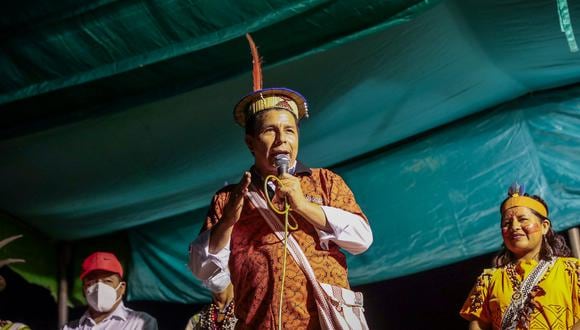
{"points": [[276, 133], [111, 279]]}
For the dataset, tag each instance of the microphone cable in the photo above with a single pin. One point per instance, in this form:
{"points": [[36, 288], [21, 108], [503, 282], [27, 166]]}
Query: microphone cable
{"points": [[285, 212]]}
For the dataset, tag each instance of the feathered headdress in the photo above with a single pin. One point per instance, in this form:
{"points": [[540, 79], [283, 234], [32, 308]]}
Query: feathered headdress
{"points": [[516, 190], [267, 98], [517, 197], [256, 64]]}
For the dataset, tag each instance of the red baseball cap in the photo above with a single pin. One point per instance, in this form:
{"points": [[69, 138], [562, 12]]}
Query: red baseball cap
{"points": [[102, 261]]}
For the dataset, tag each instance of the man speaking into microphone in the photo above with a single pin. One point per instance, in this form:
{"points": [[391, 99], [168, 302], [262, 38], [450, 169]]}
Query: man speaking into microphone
{"points": [[237, 244]]}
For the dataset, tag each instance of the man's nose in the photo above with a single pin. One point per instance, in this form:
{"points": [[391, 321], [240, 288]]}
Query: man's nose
{"points": [[281, 137]]}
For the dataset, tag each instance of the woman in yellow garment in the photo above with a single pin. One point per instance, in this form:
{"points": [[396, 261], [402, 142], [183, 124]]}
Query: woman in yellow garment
{"points": [[554, 302]]}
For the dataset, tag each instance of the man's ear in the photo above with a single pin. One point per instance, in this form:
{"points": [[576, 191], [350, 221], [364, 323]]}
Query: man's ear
{"points": [[249, 142], [122, 288]]}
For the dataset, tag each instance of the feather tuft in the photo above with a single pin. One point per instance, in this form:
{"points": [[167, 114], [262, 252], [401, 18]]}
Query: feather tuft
{"points": [[516, 189], [257, 64]]}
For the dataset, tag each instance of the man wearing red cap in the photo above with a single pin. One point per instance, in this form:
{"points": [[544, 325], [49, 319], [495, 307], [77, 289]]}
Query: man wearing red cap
{"points": [[103, 287]]}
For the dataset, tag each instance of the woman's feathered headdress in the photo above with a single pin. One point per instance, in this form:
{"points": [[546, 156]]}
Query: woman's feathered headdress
{"points": [[517, 197]]}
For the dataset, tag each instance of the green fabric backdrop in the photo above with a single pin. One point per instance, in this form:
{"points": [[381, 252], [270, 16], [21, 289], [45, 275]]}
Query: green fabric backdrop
{"points": [[430, 201], [116, 122]]}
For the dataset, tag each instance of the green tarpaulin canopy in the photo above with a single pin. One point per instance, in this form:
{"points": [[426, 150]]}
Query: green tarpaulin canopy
{"points": [[116, 123]]}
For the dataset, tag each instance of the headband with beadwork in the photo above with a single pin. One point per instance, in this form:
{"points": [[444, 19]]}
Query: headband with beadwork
{"points": [[517, 198], [267, 98]]}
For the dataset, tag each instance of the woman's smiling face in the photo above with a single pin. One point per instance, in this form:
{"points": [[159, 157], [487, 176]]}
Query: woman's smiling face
{"points": [[523, 231]]}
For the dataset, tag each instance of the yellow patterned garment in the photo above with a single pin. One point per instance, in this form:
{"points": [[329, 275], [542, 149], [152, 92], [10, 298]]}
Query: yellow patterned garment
{"points": [[556, 301]]}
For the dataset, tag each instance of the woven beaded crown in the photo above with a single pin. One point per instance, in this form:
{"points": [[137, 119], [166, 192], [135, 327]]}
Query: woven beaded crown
{"points": [[267, 98], [516, 197]]}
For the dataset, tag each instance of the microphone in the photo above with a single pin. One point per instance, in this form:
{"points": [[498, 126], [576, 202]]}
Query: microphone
{"points": [[282, 162]]}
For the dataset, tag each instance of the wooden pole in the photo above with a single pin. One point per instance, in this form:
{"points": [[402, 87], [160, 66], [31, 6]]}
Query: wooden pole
{"points": [[574, 236], [62, 299]]}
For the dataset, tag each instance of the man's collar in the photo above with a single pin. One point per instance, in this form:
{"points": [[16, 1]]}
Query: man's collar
{"points": [[120, 313], [298, 170], [302, 169]]}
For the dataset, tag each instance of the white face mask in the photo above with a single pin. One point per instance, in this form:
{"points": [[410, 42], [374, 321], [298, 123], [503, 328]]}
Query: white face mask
{"points": [[102, 297], [218, 283]]}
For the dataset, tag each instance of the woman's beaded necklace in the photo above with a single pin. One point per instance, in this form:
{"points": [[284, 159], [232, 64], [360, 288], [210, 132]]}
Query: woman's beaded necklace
{"points": [[209, 318], [528, 308]]}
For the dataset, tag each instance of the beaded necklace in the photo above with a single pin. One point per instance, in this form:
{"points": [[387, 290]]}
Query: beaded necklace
{"points": [[527, 309], [209, 318], [511, 272]]}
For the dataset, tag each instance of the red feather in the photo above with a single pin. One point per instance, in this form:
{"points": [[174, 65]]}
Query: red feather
{"points": [[257, 64]]}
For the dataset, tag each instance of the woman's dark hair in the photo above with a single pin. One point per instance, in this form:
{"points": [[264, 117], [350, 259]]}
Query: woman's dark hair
{"points": [[553, 244]]}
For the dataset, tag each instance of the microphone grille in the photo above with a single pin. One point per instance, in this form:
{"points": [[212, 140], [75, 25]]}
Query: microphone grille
{"points": [[282, 159]]}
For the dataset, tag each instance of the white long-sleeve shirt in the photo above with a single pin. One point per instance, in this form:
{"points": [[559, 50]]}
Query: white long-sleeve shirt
{"points": [[121, 318], [349, 231]]}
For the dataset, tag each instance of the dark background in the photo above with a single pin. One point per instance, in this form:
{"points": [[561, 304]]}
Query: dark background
{"points": [[427, 300]]}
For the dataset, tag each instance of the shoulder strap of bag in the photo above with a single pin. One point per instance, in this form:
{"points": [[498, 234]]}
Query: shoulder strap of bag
{"points": [[293, 247], [509, 320]]}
